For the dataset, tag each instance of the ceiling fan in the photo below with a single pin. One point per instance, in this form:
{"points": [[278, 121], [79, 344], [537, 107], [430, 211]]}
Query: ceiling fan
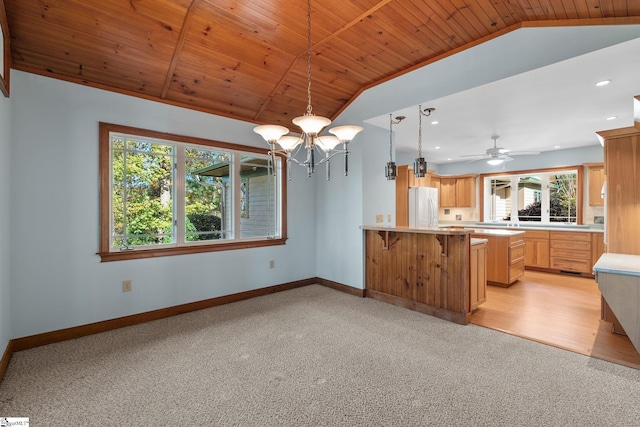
{"points": [[497, 155]]}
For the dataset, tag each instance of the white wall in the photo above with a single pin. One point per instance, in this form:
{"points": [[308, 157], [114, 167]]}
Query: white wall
{"points": [[5, 225], [57, 280]]}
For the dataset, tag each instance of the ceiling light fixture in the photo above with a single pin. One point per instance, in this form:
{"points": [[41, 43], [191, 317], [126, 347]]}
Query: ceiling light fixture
{"points": [[420, 165], [495, 161], [391, 171], [603, 83], [311, 126]]}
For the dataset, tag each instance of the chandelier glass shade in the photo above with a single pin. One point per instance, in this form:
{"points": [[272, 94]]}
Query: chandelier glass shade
{"points": [[311, 127]]}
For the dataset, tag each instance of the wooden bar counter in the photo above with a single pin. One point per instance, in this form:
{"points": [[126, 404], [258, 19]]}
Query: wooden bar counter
{"points": [[423, 269]]}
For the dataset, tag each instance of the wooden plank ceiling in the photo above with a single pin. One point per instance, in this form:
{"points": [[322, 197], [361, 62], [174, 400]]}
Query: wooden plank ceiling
{"points": [[247, 59]]}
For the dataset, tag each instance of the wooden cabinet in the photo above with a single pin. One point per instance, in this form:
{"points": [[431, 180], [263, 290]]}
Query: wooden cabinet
{"points": [[425, 270], [536, 252], [596, 179], [466, 192], [622, 162], [570, 251], [597, 247], [478, 277], [505, 257], [458, 192], [448, 192]]}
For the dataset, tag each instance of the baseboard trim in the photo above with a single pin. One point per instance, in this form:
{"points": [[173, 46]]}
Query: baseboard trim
{"points": [[341, 287], [4, 362], [37, 340], [32, 341]]}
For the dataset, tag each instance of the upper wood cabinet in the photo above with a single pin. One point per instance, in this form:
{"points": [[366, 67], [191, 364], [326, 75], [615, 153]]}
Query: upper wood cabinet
{"points": [[596, 179], [458, 191], [466, 192], [622, 162], [447, 193]]}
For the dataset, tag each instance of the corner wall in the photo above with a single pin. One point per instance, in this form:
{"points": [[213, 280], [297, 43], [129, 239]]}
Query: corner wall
{"points": [[5, 225]]}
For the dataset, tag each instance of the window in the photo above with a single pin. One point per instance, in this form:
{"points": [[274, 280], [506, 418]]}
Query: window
{"points": [[163, 194], [550, 195]]}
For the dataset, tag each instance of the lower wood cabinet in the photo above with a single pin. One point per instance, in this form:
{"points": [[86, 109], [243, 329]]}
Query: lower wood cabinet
{"points": [[478, 279], [536, 253], [505, 257], [570, 251]]}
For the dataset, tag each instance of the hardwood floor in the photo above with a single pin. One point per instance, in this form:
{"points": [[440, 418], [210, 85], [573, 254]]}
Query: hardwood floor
{"points": [[558, 310]]}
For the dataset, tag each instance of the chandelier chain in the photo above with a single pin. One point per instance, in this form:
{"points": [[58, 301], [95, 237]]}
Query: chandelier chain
{"points": [[309, 108]]}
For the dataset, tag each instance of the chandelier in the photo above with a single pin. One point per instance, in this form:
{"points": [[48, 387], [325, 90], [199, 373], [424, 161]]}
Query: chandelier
{"points": [[420, 164], [391, 171], [310, 138]]}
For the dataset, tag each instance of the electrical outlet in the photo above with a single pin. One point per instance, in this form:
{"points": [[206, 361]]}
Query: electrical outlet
{"points": [[389, 218], [126, 286], [272, 263], [379, 218]]}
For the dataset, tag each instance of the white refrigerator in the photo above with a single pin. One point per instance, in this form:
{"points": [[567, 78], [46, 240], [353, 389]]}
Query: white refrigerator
{"points": [[423, 207]]}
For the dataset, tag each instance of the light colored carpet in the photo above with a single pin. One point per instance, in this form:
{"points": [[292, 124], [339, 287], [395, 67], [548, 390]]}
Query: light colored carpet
{"points": [[314, 356]]}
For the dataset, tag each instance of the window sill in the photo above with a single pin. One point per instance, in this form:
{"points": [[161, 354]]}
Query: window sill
{"points": [[186, 250]]}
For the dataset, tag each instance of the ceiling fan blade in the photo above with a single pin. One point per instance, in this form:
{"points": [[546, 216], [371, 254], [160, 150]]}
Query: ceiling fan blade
{"points": [[480, 156], [523, 153]]}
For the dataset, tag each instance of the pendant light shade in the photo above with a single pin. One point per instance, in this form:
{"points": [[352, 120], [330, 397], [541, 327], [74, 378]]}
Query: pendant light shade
{"points": [[271, 133], [420, 164], [327, 142], [311, 125], [346, 133], [390, 170], [289, 143]]}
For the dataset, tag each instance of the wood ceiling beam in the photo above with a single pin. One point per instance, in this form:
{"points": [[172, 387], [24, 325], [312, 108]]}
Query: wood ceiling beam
{"points": [[178, 50]]}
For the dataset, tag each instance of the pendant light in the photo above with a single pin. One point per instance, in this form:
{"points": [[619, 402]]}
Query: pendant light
{"points": [[420, 164], [391, 170], [311, 126]]}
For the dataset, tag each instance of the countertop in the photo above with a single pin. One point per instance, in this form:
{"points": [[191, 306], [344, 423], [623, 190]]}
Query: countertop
{"points": [[421, 230], [585, 229], [628, 265], [495, 231]]}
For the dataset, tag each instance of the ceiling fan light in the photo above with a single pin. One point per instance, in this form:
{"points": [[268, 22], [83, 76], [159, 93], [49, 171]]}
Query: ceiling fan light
{"points": [[271, 133], [310, 124], [495, 162], [346, 133]]}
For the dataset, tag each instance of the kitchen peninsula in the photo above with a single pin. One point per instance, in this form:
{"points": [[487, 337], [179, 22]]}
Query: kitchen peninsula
{"points": [[424, 269]]}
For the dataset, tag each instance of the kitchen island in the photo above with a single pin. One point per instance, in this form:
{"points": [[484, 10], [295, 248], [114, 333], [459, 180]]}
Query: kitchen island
{"points": [[423, 269], [505, 255]]}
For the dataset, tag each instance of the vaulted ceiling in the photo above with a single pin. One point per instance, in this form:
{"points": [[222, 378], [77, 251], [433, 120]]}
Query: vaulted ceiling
{"points": [[248, 59]]}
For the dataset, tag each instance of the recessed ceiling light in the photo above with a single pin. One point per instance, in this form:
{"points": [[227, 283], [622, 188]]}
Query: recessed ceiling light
{"points": [[612, 117], [555, 147], [603, 83], [448, 159], [435, 122], [437, 148]]}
